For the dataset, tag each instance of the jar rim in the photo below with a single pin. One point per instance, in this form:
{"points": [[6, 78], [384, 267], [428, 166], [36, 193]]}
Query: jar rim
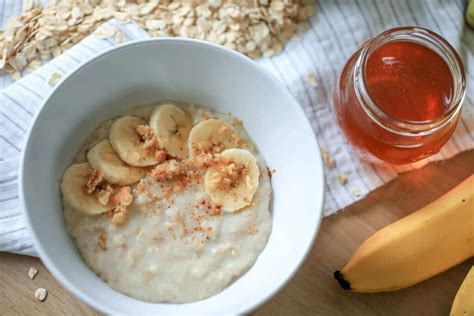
{"points": [[432, 41]]}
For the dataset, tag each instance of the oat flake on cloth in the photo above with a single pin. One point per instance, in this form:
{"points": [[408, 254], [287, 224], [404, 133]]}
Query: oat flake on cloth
{"points": [[335, 31]]}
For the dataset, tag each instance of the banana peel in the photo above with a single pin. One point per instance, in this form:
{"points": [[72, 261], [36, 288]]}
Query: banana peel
{"points": [[416, 247], [463, 304]]}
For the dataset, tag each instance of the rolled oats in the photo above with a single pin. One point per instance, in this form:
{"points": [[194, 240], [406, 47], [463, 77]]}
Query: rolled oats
{"points": [[32, 273], [255, 28], [328, 161], [312, 81], [41, 294], [342, 178], [120, 37], [356, 192], [54, 78]]}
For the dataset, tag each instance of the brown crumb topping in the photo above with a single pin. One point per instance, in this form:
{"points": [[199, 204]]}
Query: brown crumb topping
{"points": [[120, 215], [217, 211], [167, 170], [102, 241], [105, 194], [158, 238], [204, 158], [227, 174], [122, 198], [93, 179], [174, 176], [161, 155], [147, 135], [151, 143]]}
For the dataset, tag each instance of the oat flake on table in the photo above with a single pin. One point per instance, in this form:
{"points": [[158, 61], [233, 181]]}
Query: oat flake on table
{"points": [[255, 28], [41, 294], [32, 273]]}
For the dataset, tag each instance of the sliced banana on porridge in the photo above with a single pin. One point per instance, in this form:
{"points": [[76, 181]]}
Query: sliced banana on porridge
{"points": [[78, 187], [103, 158], [212, 136], [129, 145], [233, 181], [171, 126]]}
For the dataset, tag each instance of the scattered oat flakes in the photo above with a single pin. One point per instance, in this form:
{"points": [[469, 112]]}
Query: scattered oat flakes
{"points": [[54, 78], [32, 273], [311, 79], [41, 294], [120, 37], [356, 192], [33, 65], [342, 178], [297, 37], [328, 162], [16, 75]]}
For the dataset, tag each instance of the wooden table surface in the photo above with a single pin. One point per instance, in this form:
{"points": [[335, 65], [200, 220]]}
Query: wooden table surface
{"points": [[313, 290]]}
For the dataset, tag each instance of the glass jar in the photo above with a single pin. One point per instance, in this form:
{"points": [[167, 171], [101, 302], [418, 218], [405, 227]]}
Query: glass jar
{"points": [[392, 111]]}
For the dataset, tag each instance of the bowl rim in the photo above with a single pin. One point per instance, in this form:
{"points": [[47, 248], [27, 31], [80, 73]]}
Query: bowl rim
{"points": [[50, 263]]}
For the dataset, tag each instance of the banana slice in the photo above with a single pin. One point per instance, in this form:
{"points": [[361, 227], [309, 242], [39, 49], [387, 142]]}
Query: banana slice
{"points": [[233, 181], [171, 126], [129, 145], [212, 136], [102, 157], [74, 192]]}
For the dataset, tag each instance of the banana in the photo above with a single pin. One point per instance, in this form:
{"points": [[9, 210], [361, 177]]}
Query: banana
{"points": [[212, 136], [416, 247], [103, 158], [129, 145], [171, 126], [233, 181], [464, 301], [74, 192]]}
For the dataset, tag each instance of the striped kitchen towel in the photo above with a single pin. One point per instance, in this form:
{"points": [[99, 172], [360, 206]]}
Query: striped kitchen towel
{"points": [[334, 33]]}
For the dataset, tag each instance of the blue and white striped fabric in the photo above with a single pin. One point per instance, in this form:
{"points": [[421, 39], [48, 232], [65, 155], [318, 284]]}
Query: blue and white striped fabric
{"points": [[334, 33]]}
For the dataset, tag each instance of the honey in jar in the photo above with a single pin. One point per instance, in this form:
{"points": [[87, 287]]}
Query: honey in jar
{"points": [[399, 97]]}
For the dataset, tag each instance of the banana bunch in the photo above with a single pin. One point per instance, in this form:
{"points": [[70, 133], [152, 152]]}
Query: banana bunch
{"points": [[133, 145], [416, 247]]}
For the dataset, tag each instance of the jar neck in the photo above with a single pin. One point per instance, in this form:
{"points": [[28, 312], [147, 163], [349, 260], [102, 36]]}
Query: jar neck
{"points": [[432, 41]]}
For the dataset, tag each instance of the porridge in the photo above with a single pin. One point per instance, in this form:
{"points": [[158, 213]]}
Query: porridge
{"points": [[168, 203]]}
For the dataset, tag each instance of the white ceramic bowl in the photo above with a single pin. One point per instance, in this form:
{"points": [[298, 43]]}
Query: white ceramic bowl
{"points": [[146, 72]]}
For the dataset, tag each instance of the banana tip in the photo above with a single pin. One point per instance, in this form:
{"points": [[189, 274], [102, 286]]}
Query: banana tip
{"points": [[342, 282]]}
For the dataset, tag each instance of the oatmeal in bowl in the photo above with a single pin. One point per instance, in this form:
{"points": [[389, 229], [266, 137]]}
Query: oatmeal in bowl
{"points": [[253, 250], [168, 203]]}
